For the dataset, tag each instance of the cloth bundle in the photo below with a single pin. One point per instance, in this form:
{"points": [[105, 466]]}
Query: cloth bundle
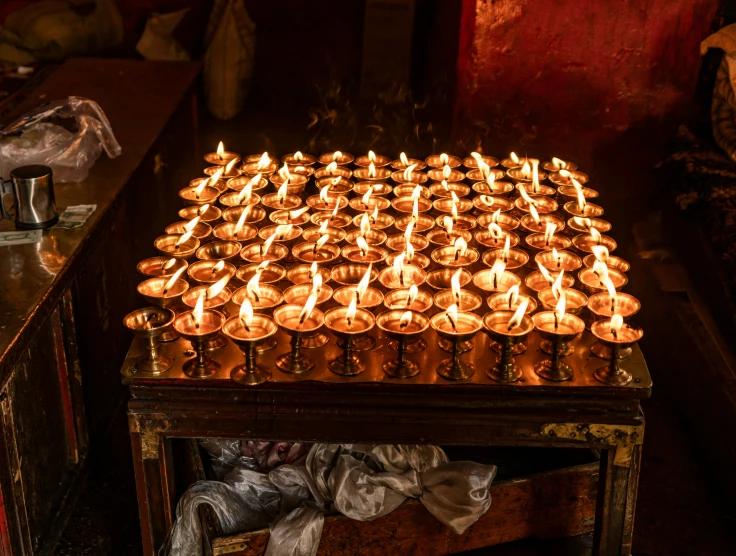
{"points": [[723, 108], [361, 481]]}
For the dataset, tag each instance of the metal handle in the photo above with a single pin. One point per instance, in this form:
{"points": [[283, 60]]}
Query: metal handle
{"points": [[5, 188]]}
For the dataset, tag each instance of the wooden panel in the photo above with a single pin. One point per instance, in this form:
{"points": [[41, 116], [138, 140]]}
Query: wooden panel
{"points": [[554, 504]]}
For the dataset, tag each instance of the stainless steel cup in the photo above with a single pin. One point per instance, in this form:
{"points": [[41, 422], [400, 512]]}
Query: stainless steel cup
{"points": [[33, 190]]}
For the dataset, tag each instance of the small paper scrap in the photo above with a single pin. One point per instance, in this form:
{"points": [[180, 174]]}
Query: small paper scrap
{"points": [[20, 237], [75, 216]]}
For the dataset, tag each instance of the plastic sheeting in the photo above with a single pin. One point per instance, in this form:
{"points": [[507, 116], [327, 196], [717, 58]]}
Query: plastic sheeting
{"points": [[69, 150], [361, 481]]}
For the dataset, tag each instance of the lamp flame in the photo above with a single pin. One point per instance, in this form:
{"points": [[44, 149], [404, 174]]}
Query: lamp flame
{"points": [[485, 170], [404, 160], [408, 172], [283, 230], [477, 156], [241, 221], [220, 150], [246, 192], [317, 283], [323, 194], [198, 312], [331, 168], [448, 224], [411, 297], [558, 163], [168, 264], [495, 230], [183, 239], [416, 193], [362, 245], [444, 159], [282, 191], [230, 165], [612, 293], [321, 242], [264, 161], [525, 195], [617, 321], [549, 232], [215, 289], [374, 214], [514, 158], [451, 314], [545, 273], [313, 269], [506, 249], [337, 155], [219, 265], [535, 176], [526, 170], [557, 285], [267, 244], [515, 319], [490, 180], [189, 226], [406, 318], [556, 256], [497, 271], [409, 252], [512, 296], [399, 267], [581, 200], [409, 230], [284, 172], [488, 201], [246, 314], [496, 216], [367, 197], [350, 313], [200, 188], [595, 235], [582, 222], [560, 309], [335, 210], [323, 227], [601, 271], [455, 285], [253, 287], [371, 170], [308, 307], [171, 281], [204, 208], [365, 225], [298, 156], [600, 252], [294, 214], [371, 156], [461, 246], [444, 185], [534, 213], [446, 172], [362, 286], [415, 211]]}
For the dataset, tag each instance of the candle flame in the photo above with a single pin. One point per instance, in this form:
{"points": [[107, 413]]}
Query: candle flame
{"points": [[323, 227], [362, 244], [200, 188], [526, 170], [612, 293], [409, 251], [323, 194], [535, 176], [506, 249], [282, 191], [306, 311], [253, 287], [455, 285], [477, 156], [337, 155], [415, 210], [497, 271], [485, 170], [230, 165], [247, 191], [204, 208], [451, 314], [601, 271], [171, 281], [444, 159], [600, 252], [515, 319], [316, 283], [313, 270], [241, 221], [189, 226], [595, 235], [514, 158], [184, 238], [363, 284], [564, 174], [198, 311], [581, 200], [365, 225], [220, 150], [298, 156], [334, 210], [331, 167], [545, 273], [512, 296], [264, 161], [549, 232], [560, 309], [404, 159], [371, 156], [367, 197], [168, 264], [525, 195], [399, 267], [534, 213], [406, 317], [215, 177], [488, 201], [412, 295], [557, 285], [617, 321], [490, 179], [453, 209], [495, 230], [215, 289], [371, 170], [408, 172], [582, 222], [246, 314], [448, 223], [374, 214], [446, 172], [294, 214], [267, 244], [350, 313], [556, 256], [444, 185], [409, 230], [416, 193], [321, 241], [496, 216], [283, 230], [461, 246], [284, 172], [558, 163]]}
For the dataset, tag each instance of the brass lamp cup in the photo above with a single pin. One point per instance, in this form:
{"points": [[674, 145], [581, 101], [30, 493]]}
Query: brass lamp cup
{"points": [[509, 163], [518, 175], [379, 188], [415, 177], [613, 374], [336, 321], [533, 227], [338, 185], [466, 327], [298, 295], [495, 325], [373, 254], [159, 266], [221, 159], [397, 242], [233, 214], [210, 215], [302, 274], [166, 246], [339, 220], [150, 323], [407, 189], [376, 174], [399, 299], [558, 179], [260, 330], [301, 169], [445, 205], [459, 189], [202, 366], [550, 166], [439, 174], [399, 165], [152, 290], [441, 278], [238, 183], [418, 259], [470, 162], [590, 211], [379, 161], [219, 250], [272, 202], [309, 253], [601, 308], [536, 281], [216, 303], [516, 258], [612, 262], [439, 161], [272, 274], [544, 205], [341, 171], [599, 224], [592, 283], [301, 159], [287, 317], [477, 175], [576, 300], [232, 199], [411, 276], [374, 203], [484, 280], [334, 235], [390, 324], [569, 328], [252, 168], [284, 217], [264, 302], [540, 243], [317, 203], [500, 302], [405, 204], [370, 299], [297, 183], [505, 221], [463, 222], [467, 301], [350, 274], [440, 237], [491, 241], [422, 224], [498, 189], [570, 193], [450, 257], [205, 272], [586, 242], [253, 253], [207, 196], [202, 231], [382, 221], [373, 237], [567, 261], [539, 189], [227, 232]]}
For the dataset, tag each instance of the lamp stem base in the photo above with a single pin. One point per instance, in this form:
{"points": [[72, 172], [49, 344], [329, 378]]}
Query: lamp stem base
{"points": [[617, 377], [154, 366], [555, 373], [201, 367], [295, 365], [504, 373], [250, 377], [346, 366], [604, 352], [453, 369], [400, 369]]}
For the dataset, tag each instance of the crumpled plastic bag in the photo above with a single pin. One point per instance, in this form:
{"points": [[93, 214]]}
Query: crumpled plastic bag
{"points": [[69, 150], [361, 481]]}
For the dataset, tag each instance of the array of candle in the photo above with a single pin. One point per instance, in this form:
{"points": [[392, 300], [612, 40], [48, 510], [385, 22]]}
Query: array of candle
{"points": [[357, 247]]}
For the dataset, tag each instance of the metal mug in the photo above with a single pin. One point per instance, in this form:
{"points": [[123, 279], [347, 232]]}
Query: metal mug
{"points": [[33, 190]]}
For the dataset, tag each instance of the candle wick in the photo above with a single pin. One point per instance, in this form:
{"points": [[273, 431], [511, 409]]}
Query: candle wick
{"points": [[556, 322], [357, 297], [457, 254], [495, 281], [350, 323], [401, 277], [403, 324], [247, 328], [260, 246], [452, 322]]}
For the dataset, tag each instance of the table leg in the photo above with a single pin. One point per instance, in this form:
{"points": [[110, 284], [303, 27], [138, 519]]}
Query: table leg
{"points": [[152, 462], [614, 521]]}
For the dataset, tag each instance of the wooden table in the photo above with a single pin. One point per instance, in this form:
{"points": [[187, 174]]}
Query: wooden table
{"points": [[63, 299], [371, 407]]}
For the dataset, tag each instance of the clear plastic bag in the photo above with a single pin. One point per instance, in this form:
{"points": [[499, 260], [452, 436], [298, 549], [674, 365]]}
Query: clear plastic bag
{"points": [[67, 135]]}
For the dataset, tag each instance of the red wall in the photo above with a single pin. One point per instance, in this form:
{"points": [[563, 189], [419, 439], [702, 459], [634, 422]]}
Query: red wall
{"points": [[577, 73]]}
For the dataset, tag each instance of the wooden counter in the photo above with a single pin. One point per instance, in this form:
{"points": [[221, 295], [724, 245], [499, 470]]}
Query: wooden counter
{"points": [[62, 300]]}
